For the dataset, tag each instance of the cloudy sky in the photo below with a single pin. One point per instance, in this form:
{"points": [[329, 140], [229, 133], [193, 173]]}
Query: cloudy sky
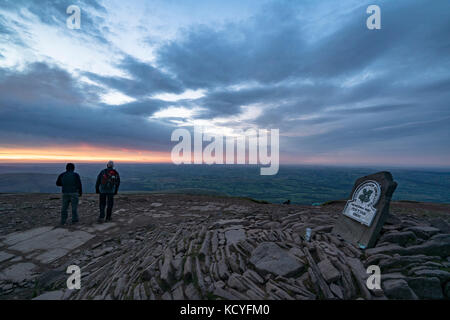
{"points": [[136, 70]]}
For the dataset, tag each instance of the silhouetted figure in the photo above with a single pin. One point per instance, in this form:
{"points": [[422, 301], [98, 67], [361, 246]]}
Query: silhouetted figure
{"points": [[71, 189], [107, 185], [287, 202]]}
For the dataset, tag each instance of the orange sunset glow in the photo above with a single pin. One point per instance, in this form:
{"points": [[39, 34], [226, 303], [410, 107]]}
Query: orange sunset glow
{"points": [[83, 153]]}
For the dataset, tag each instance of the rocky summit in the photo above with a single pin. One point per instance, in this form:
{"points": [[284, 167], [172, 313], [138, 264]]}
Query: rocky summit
{"points": [[164, 247]]}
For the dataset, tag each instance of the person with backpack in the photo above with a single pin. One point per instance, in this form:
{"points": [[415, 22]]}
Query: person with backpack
{"points": [[107, 185], [71, 189]]}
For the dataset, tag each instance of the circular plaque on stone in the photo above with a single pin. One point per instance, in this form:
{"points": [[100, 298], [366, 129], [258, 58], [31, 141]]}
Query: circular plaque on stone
{"points": [[362, 205]]}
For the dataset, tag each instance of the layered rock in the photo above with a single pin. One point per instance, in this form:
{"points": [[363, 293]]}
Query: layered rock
{"points": [[206, 248]]}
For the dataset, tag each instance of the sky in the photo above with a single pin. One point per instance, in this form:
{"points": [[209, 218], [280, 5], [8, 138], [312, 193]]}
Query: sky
{"points": [[339, 93]]}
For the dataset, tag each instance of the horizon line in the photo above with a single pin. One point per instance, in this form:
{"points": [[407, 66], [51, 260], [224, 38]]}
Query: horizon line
{"points": [[303, 164]]}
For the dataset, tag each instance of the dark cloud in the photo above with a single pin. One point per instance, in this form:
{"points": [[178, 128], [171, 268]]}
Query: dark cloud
{"points": [[374, 109], [146, 79], [266, 48], [143, 108], [271, 48], [41, 82], [342, 87], [45, 105], [363, 136], [395, 78]]}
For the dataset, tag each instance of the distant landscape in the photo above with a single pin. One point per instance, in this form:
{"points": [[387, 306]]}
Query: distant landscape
{"points": [[300, 184]]}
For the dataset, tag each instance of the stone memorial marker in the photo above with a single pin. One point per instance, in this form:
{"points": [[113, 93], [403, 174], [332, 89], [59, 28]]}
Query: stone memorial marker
{"points": [[366, 210]]}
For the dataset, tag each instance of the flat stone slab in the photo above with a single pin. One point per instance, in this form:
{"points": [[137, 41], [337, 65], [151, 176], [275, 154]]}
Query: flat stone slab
{"points": [[268, 257], [224, 223], [193, 215], [55, 243], [5, 256], [102, 227], [51, 295], [234, 235], [328, 271], [17, 237], [162, 214], [156, 204], [205, 208], [19, 272], [52, 255], [158, 214], [237, 209]]}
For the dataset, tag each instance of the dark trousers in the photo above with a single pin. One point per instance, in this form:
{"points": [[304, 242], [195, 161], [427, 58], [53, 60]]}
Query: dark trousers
{"points": [[69, 198], [106, 201]]}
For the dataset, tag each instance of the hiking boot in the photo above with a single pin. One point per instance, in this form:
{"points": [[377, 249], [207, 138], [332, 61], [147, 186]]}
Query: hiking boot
{"points": [[108, 219], [75, 222], [99, 220]]}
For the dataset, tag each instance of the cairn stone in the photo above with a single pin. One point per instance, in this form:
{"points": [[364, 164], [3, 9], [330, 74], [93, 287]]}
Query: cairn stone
{"points": [[268, 257]]}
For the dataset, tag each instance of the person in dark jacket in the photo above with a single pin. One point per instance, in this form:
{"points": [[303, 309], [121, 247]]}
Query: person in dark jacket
{"points": [[107, 185], [71, 189]]}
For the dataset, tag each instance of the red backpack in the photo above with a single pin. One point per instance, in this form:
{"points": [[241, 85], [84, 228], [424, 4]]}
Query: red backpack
{"points": [[109, 179]]}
